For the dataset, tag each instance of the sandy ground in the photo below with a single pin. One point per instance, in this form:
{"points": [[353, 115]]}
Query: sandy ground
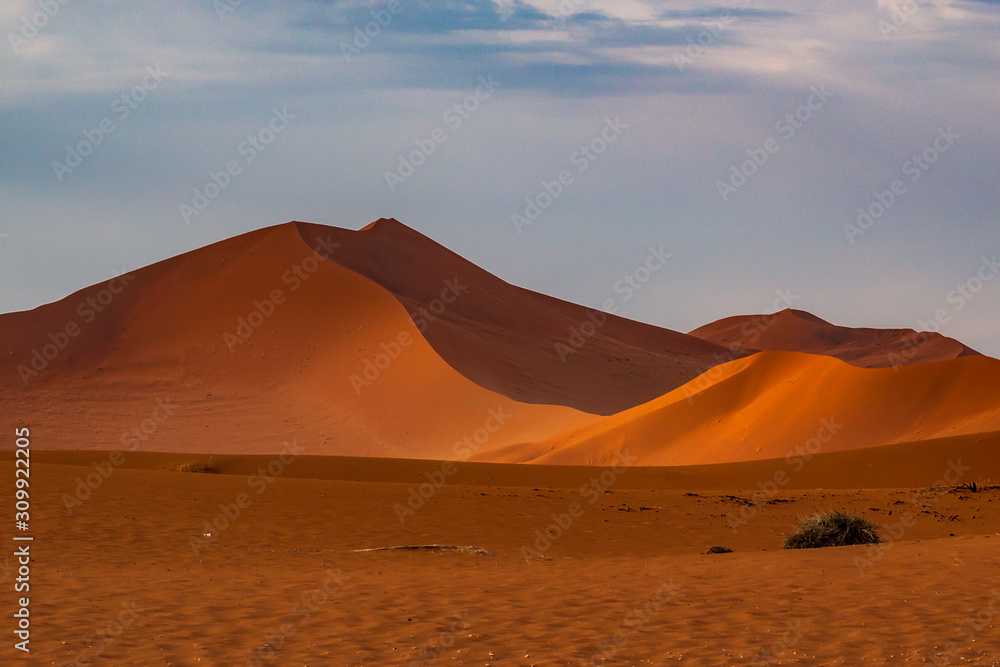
{"points": [[119, 581]]}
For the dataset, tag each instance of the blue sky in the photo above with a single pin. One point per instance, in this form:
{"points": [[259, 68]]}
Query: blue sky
{"points": [[743, 138]]}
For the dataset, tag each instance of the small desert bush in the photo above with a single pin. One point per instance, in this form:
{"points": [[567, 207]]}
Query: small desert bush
{"points": [[192, 467], [833, 529], [719, 550]]}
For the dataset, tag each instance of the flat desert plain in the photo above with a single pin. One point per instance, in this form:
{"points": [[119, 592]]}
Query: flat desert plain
{"points": [[130, 578]]}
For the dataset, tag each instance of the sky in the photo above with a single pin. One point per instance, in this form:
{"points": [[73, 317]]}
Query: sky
{"points": [[839, 159]]}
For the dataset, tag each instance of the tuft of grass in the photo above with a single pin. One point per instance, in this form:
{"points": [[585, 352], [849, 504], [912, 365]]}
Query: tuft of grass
{"points": [[719, 550], [973, 487], [833, 529], [193, 467]]}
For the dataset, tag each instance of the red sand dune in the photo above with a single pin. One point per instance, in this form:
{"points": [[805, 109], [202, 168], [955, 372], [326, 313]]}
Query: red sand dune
{"points": [[504, 337], [774, 403], [382, 343], [170, 351], [798, 331]]}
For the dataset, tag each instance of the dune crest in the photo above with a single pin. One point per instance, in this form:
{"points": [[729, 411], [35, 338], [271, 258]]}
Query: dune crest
{"points": [[798, 331], [778, 404]]}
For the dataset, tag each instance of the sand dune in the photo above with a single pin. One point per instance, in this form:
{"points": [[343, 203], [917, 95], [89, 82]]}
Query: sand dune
{"points": [[382, 343], [767, 405], [799, 331], [526, 345], [244, 344]]}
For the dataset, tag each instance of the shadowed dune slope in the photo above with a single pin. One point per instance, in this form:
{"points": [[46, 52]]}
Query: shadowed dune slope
{"points": [[767, 405], [505, 338], [798, 331]]}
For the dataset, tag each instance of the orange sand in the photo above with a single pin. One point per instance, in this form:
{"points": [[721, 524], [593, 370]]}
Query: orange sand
{"points": [[245, 593]]}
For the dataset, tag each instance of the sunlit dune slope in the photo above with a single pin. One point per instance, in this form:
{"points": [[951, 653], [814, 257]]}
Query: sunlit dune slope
{"points": [[767, 405]]}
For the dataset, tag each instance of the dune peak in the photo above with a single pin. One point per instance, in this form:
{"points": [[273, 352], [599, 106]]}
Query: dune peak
{"points": [[384, 223], [802, 315]]}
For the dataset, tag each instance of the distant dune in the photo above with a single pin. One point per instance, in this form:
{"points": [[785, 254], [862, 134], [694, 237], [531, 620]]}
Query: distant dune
{"points": [[382, 343], [799, 331]]}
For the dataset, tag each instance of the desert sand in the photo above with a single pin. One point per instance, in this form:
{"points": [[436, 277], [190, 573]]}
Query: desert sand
{"points": [[283, 582], [562, 471]]}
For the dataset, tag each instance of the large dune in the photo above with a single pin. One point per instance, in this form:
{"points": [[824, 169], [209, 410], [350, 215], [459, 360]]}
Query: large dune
{"points": [[526, 345], [247, 343]]}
